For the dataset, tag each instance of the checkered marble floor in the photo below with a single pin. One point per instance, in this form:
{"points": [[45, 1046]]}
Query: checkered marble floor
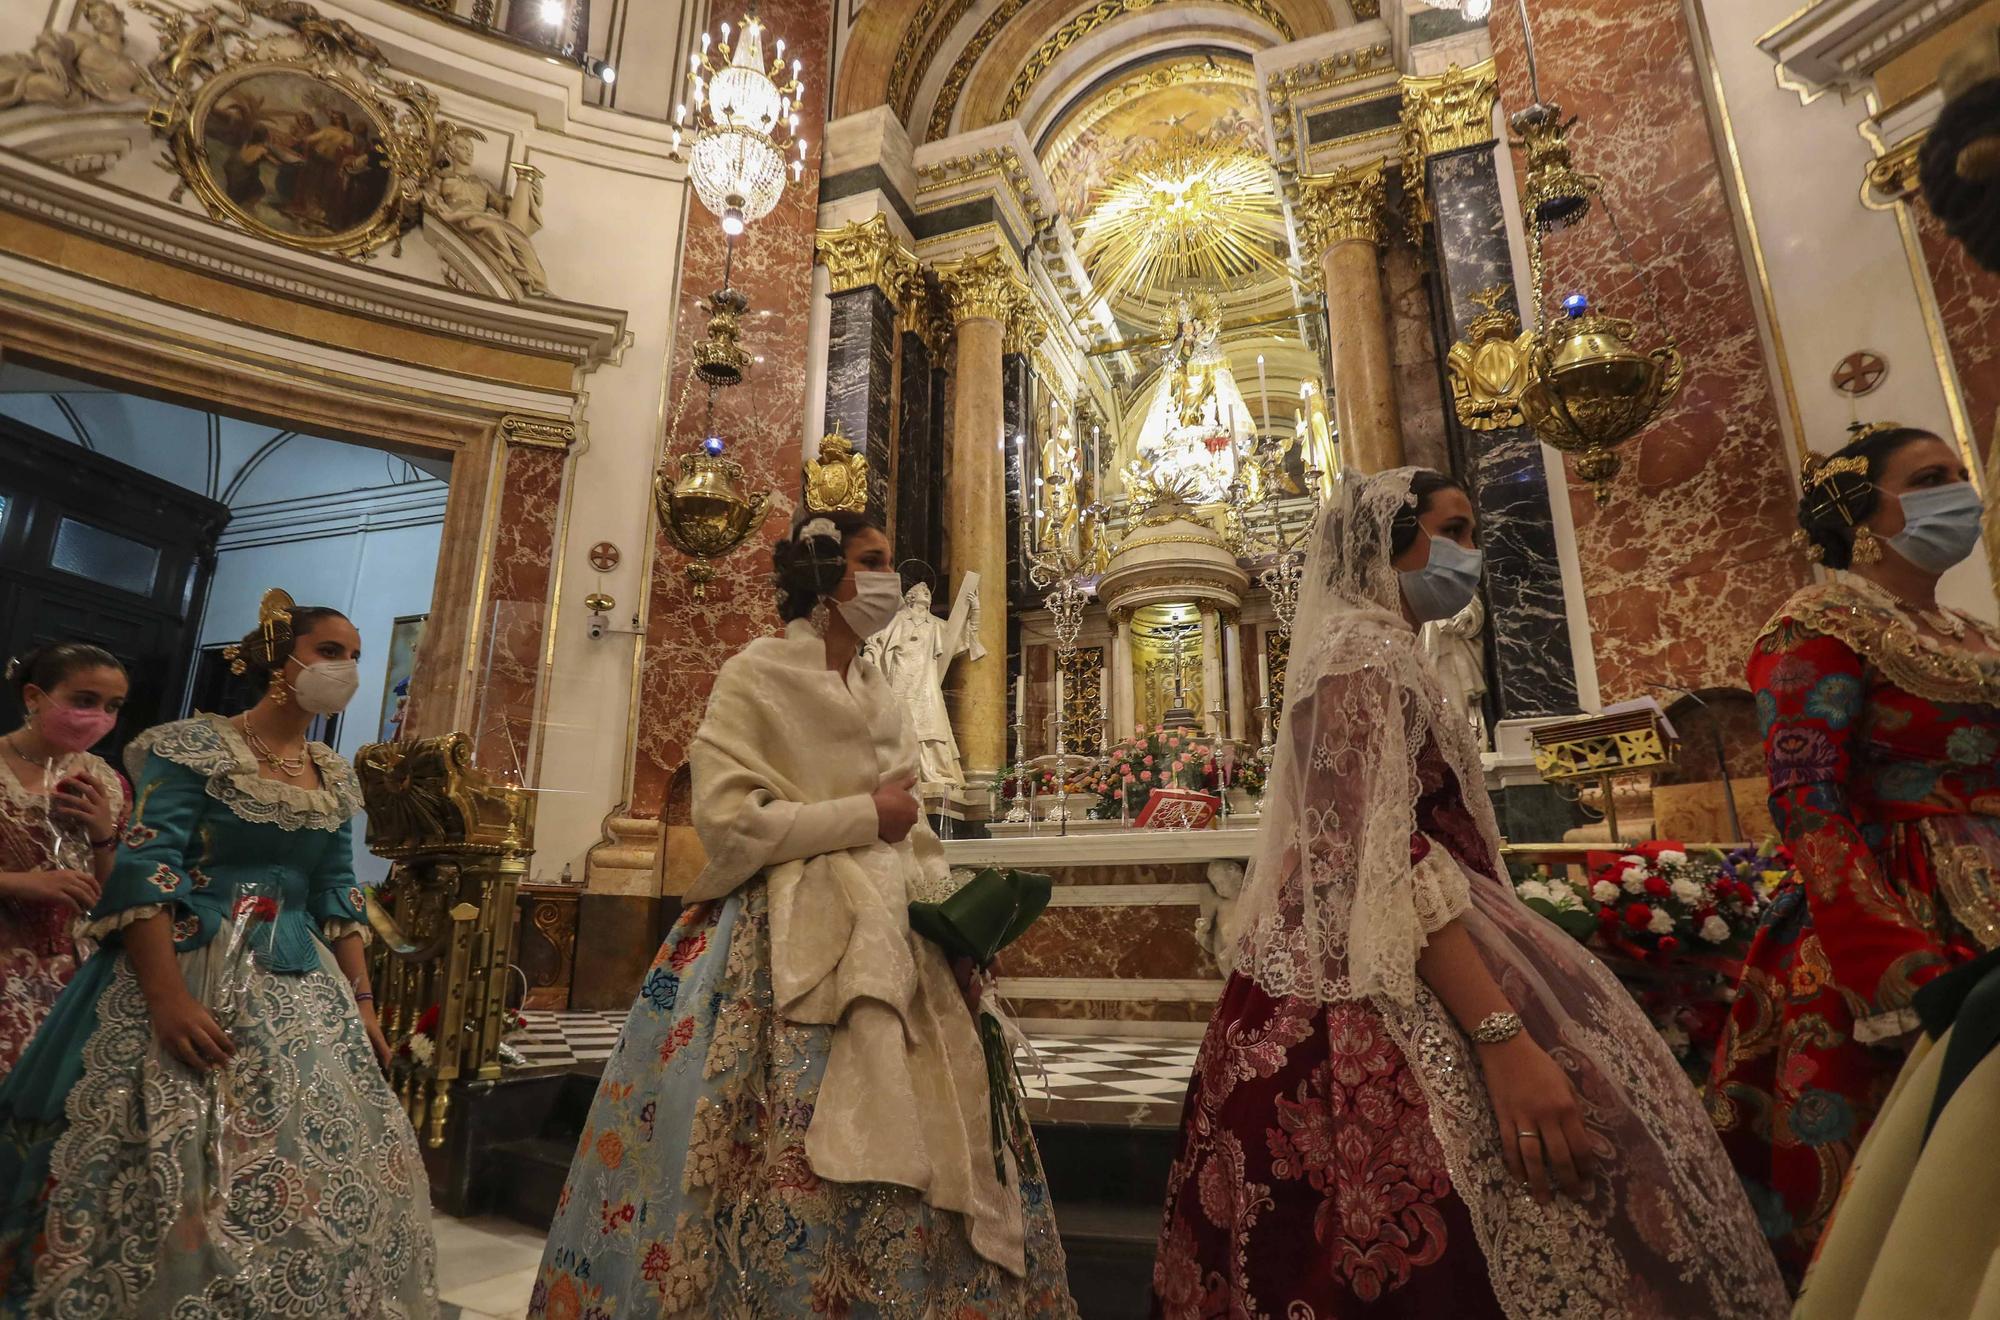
{"points": [[1121, 1070]]}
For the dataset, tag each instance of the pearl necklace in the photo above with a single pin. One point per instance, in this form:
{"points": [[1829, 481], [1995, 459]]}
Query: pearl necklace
{"points": [[291, 767]]}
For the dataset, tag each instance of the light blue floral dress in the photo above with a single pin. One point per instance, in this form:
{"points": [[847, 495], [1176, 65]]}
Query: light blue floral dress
{"points": [[288, 1184]]}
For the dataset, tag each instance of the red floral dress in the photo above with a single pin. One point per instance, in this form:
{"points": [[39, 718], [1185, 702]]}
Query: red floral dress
{"points": [[1309, 1181], [37, 955], [1883, 745]]}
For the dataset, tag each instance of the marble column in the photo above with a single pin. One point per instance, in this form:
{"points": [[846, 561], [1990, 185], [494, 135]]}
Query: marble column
{"points": [[1023, 466], [1340, 217], [919, 486], [865, 266], [982, 292], [1211, 671], [1533, 666], [1107, 687], [1232, 662], [1125, 709]]}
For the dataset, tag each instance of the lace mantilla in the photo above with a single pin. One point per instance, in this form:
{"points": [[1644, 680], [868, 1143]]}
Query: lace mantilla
{"points": [[210, 745], [1874, 625], [1333, 908]]}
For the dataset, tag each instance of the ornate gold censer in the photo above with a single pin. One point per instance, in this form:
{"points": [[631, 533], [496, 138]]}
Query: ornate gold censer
{"points": [[704, 501], [1578, 380]]}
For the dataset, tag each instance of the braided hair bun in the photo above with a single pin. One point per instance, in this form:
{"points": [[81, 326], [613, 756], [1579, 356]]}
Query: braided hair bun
{"points": [[811, 560], [48, 667], [1840, 490]]}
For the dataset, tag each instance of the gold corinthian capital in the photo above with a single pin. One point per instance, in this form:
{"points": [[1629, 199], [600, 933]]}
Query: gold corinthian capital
{"points": [[1451, 111], [865, 254], [1342, 207], [984, 286]]}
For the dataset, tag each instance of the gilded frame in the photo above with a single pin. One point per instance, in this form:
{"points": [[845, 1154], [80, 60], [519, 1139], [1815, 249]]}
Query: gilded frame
{"points": [[212, 55]]}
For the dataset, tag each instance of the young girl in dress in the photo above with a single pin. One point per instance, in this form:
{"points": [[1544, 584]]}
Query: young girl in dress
{"points": [[60, 809], [170, 1152], [1416, 1097]]}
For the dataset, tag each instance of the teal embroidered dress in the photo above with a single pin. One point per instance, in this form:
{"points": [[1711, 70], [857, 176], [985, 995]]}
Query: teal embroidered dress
{"points": [[289, 1183]]}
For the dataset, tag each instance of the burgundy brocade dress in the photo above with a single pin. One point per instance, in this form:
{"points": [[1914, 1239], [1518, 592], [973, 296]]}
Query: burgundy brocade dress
{"points": [[1309, 1181]]}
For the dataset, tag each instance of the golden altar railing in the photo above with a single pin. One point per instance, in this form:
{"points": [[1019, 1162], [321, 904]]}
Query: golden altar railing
{"points": [[444, 920]]}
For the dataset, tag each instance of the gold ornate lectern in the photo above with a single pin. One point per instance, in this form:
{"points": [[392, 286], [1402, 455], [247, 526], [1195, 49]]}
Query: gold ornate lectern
{"points": [[444, 920]]}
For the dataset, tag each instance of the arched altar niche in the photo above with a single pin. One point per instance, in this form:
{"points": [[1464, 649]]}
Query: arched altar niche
{"points": [[1175, 581]]}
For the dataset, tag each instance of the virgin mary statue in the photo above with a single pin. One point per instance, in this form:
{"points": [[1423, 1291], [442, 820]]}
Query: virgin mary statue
{"points": [[1198, 421]]}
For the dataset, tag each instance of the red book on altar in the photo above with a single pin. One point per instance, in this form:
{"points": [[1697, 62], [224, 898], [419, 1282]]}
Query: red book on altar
{"points": [[1178, 809]]}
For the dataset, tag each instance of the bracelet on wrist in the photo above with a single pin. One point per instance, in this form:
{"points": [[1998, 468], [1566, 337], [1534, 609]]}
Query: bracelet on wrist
{"points": [[99, 845], [1497, 1028], [364, 995]]}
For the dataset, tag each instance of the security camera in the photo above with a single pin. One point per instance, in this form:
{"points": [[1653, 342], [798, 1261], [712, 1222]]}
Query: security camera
{"points": [[599, 625]]}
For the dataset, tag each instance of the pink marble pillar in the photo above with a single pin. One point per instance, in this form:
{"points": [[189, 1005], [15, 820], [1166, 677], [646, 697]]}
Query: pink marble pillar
{"points": [[1968, 299], [1692, 555], [514, 626], [761, 420]]}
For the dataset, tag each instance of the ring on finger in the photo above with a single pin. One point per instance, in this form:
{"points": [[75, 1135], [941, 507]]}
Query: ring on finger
{"points": [[1536, 1135]]}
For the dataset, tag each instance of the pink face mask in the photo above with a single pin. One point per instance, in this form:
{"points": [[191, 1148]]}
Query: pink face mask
{"points": [[73, 729]]}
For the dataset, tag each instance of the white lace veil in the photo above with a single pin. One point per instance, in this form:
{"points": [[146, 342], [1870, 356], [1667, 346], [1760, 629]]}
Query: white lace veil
{"points": [[1333, 910], [1333, 907]]}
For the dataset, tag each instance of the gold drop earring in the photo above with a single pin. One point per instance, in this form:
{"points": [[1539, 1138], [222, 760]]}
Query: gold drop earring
{"points": [[1867, 546]]}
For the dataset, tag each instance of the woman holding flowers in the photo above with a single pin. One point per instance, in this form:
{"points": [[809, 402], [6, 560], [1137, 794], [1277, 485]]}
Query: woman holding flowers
{"points": [[1416, 1096], [202, 1126], [1881, 715]]}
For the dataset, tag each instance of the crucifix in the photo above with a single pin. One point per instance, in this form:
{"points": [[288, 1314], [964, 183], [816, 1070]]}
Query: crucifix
{"points": [[1173, 636]]}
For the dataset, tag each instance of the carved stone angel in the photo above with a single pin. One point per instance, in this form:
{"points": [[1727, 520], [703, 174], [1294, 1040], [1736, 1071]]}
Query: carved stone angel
{"points": [[456, 196], [71, 68]]}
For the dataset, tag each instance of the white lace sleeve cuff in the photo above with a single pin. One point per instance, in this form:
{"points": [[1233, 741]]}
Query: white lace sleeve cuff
{"points": [[112, 922], [1877, 1027], [335, 930], [1439, 889]]}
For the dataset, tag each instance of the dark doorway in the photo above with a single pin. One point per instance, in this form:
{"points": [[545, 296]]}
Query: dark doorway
{"points": [[92, 550]]}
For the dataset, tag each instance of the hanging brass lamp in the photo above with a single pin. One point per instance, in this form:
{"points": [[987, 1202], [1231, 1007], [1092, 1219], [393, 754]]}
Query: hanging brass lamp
{"points": [[706, 508], [1582, 384], [1590, 390]]}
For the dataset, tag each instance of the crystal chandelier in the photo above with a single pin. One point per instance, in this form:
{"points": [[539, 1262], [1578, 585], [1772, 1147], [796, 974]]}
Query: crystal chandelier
{"points": [[744, 122]]}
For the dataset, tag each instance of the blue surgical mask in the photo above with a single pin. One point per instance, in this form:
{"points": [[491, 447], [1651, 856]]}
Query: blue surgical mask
{"points": [[1445, 585], [1940, 525]]}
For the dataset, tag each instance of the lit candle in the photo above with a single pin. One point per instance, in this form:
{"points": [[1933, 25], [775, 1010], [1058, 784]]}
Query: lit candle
{"points": [[1020, 698], [1264, 677], [1263, 392]]}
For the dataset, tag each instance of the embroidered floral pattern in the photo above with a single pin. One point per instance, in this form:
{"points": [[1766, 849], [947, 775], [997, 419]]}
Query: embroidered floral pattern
{"points": [[304, 1233], [164, 879], [1874, 733], [139, 836], [701, 1120]]}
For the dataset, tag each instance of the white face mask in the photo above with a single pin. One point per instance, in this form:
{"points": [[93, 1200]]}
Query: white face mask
{"points": [[877, 598], [327, 687]]}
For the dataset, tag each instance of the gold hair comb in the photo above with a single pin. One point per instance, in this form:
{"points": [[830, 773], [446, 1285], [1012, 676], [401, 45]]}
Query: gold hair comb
{"points": [[274, 623], [1819, 469]]}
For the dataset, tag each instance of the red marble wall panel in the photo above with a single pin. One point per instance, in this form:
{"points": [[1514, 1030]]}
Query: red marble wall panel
{"points": [[762, 420], [1154, 943], [1692, 555], [514, 628], [1968, 300]]}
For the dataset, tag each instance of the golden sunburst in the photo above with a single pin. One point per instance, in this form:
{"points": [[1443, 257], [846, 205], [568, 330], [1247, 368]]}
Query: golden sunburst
{"points": [[1186, 211]]}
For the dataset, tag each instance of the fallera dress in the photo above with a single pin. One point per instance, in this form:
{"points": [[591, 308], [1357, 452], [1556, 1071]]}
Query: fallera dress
{"points": [[288, 1184], [795, 1119], [1883, 744], [37, 952]]}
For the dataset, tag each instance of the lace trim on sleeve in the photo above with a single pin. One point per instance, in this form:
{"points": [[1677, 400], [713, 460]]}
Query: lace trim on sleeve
{"points": [[335, 930], [1440, 890], [112, 922]]}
